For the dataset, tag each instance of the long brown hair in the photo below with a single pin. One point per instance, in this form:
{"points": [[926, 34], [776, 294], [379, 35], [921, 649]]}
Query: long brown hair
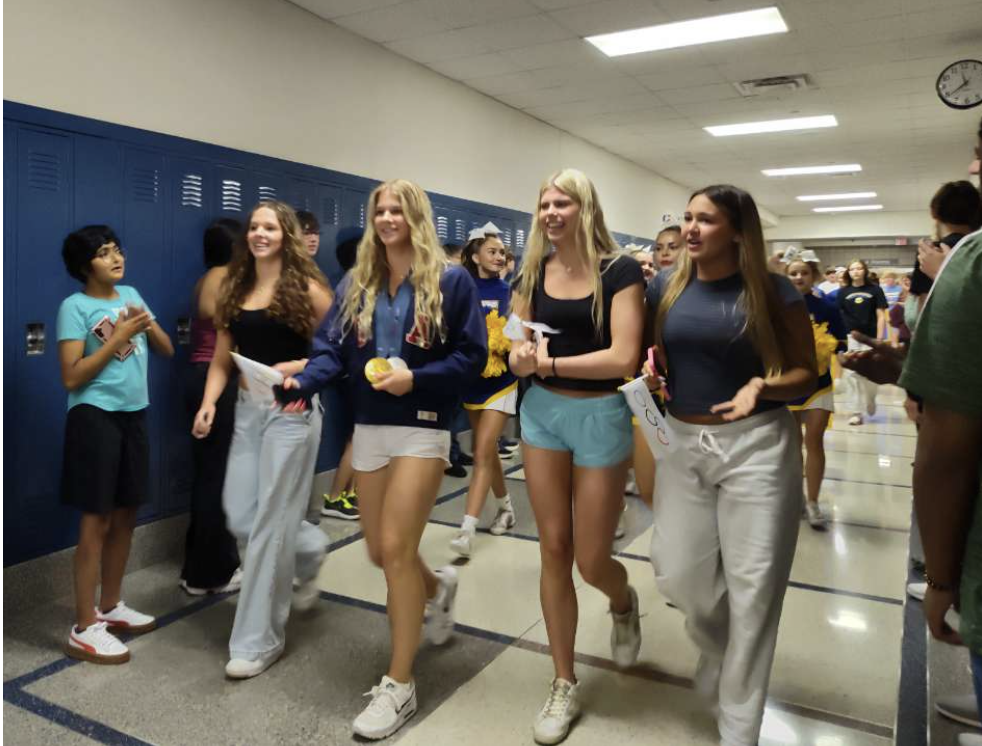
{"points": [[593, 239], [291, 302], [759, 298], [370, 273]]}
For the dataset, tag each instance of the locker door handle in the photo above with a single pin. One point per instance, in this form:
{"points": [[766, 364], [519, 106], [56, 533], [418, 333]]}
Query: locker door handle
{"points": [[34, 337], [183, 330]]}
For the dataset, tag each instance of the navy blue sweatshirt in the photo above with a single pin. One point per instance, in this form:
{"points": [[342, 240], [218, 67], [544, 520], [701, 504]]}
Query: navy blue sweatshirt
{"points": [[442, 369]]}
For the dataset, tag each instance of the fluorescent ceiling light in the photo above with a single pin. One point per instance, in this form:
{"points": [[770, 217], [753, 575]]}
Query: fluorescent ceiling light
{"points": [[830, 197], [688, 33], [848, 208], [774, 125], [807, 170]]}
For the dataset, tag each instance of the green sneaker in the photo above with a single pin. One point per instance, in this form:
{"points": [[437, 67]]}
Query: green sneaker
{"points": [[344, 506]]}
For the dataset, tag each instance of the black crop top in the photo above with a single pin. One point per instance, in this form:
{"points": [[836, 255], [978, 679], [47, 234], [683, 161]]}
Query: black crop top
{"points": [[266, 340], [574, 319]]}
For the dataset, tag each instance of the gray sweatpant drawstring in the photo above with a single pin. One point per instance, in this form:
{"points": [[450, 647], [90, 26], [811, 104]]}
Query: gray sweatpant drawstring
{"points": [[709, 445]]}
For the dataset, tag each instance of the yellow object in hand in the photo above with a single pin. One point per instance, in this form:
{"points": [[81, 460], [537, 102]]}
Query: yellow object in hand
{"points": [[376, 366]]}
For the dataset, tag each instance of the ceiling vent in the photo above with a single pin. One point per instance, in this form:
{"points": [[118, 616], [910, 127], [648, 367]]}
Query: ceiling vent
{"points": [[781, 84]]}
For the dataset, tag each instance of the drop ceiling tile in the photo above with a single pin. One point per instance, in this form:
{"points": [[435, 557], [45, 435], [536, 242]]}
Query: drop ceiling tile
{"points": [[443, 46], [330, 9], [476, 66], [698, 93], [566, 52], [572, 74], [516, 33], [960, 18], [495, 85], [464, 13], [681, 78], [393, 23], [610, 16]]}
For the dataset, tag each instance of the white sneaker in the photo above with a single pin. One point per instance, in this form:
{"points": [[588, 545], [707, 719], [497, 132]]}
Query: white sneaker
{"points": [[439, 609], [621, 529], [232, 586], [856, 419], [240, 668], [306, 592], [96, 644], [553, 722], [962, 709], [504, 519], [391, 706], [625, 635], [969, 739], [631, 488], [816, 516], [917, 590], [123, 618], [461, 543]]}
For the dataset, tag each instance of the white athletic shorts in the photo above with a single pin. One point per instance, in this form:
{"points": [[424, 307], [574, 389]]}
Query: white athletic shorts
{"points": [[374, 446]]}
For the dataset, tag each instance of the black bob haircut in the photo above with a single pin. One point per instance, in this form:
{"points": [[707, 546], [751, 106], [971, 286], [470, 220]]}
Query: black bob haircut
{"points": [[80, 248], [218, 241]]}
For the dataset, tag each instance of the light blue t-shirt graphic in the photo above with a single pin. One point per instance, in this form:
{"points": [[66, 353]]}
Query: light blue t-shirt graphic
{"points": [[122, 385]]}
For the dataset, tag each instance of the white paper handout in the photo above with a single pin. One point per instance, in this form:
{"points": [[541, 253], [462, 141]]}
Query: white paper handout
{"points": [[259, 378], [657, 432], [515, 329], [539, 329]]}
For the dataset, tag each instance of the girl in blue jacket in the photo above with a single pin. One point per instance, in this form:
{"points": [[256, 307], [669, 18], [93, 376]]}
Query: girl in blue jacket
{"points": [[409, 331]]}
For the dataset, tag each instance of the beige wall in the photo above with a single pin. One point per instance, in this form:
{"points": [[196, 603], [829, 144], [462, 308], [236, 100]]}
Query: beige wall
{"points": [[268, 77], [857, 225]]}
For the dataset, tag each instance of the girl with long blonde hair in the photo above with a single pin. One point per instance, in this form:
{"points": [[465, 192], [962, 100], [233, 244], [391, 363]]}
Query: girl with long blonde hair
{"points": [[738, 345], [409, 332], [271, 301], [576, 427]]}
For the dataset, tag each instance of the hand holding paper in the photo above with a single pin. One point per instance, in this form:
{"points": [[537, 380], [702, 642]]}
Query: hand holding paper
{"points": [[259, 379]]}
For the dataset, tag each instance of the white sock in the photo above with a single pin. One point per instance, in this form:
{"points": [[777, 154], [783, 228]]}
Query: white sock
{"points": [[469, 525], [504, 502]]}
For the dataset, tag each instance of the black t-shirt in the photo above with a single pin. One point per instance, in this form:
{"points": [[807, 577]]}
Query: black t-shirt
{"points": [[574, 318], [858, 306]]}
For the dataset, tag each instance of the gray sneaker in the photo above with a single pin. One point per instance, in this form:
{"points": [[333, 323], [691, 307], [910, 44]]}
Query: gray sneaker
{"points": [[553, 722]]}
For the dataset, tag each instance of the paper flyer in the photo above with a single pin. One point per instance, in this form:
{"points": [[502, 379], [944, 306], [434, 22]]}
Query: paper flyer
{"points": [[657, 432], [259, 378]]}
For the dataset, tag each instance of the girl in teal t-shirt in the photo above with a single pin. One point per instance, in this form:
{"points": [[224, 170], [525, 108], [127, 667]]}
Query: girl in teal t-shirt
{"points": [[103, 336]]}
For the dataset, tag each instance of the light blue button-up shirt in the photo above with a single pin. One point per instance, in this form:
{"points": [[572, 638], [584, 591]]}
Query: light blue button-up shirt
{"points": [[389, 320]]}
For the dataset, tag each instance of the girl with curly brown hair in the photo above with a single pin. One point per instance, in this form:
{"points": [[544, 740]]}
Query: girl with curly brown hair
{"points": [[270, 304]]}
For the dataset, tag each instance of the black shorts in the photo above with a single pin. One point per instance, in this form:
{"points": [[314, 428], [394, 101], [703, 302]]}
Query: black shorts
{"points": [[106, 462]]}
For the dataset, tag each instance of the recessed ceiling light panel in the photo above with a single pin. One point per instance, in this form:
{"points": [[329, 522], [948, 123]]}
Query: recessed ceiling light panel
{"points": [[688, 33], [844, 168], [774, 125], [848, 208], [831, 197]]}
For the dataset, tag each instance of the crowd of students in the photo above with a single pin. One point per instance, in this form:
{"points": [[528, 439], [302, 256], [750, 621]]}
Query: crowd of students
{"points": [[741, 343]]}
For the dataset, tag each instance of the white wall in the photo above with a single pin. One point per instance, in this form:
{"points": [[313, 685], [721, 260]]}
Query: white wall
{"points": [[855, 225], [268, 77]]}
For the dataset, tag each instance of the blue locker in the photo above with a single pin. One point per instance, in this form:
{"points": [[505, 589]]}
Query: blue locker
{"points": [[234, 191], [42, 215], [328, 210], [353, 206]]}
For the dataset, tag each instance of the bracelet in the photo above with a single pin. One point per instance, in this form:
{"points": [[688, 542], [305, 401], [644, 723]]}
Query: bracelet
{"points": [[935, 585], [554, 373]]}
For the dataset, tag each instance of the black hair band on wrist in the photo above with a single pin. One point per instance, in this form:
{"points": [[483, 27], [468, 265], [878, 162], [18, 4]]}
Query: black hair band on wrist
{"points": [[935, 585], [554, 373]]}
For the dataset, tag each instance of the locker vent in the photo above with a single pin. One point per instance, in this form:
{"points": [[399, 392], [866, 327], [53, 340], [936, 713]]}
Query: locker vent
{"points": [[192, 194], [460, 231], [145, 183], [231, 195], [519, 239], [267, 193], [361, 216], [330, 211], [43, 171], [506, 237], [442, 232]]}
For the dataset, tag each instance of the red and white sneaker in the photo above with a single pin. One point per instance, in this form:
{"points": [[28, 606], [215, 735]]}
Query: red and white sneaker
{"points": [[124, 619], [97, 645]]}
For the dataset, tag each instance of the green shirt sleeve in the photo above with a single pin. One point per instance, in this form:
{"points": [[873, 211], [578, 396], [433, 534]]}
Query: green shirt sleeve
{"points": [[944, 365]]}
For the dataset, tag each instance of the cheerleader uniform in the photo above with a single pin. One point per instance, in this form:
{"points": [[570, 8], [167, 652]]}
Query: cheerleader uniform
{"points": [[830, 337], [496, 388]]}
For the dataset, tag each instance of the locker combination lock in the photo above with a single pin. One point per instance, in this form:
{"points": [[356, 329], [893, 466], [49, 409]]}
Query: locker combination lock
{"points": [[35, 339], [183, 330]]}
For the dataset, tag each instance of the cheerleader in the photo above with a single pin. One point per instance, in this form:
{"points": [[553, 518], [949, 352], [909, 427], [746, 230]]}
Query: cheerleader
{"points": [[738, 345], [270, 302], [489, 400], [576, 427], [409, 332], [813, 412]]}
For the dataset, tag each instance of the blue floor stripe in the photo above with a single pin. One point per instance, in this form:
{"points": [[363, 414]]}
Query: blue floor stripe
{"points": [[68, 719]]}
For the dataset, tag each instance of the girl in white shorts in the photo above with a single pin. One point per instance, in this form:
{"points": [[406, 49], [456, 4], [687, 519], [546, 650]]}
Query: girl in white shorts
{"points": [[409, 331]]}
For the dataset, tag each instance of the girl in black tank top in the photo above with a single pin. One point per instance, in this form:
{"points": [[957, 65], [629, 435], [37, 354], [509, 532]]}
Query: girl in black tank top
{"points": [[271, 301], [576, 426]]}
